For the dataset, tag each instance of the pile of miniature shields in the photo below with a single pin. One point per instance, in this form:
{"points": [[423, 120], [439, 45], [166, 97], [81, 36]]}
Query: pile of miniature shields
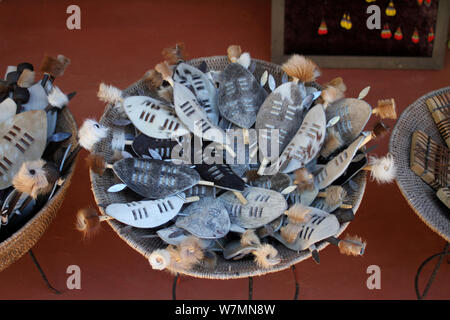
{"points": [[226, 167], [38, 143]]}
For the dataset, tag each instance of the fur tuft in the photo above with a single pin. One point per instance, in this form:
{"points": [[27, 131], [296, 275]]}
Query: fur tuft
{"points": [[331, 94], [109, 94], [26, 79], [332, 143], [304, 180], [57, 98], [382, 169], [159, 259], [352, 246], [90, 133], [164, 69], [190, 250], [301, 68], [152, 80], [380, 130], [64, 60], [298, 213], [234, 52], [166, 93], [266, 256], [290, 231], [335, 195], [250, 239], [118, 141], [386, 109], [338, 83], [87, 222], [175, 54], [52, 66], [32, 178], [244, 60], [96, 163], [210, 260]]}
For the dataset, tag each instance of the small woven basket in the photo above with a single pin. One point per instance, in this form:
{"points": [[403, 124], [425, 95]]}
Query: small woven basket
{"points": [[133, 236], [421, 197], [26, 237]]}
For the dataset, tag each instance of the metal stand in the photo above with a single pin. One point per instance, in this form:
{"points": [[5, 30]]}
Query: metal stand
{"points": [[38, 266], [441, 256]]}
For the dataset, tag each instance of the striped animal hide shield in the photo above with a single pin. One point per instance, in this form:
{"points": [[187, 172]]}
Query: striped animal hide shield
{"points": [[263, 206], [152, 118], [174, 236], [240, 96], [142, 144], [22, 138], [146, 214], [155, 179], [205, 219], [204, 89], [221, 175]]}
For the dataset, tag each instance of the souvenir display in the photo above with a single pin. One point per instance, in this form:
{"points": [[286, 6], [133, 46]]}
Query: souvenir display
{"points": [[38, 148], [256, 182]]}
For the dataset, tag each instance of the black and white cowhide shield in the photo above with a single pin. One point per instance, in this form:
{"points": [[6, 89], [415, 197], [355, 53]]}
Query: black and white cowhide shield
{"points": [[240, 96], [204, 89], [155, 179], [221, 175], [142, 145]]}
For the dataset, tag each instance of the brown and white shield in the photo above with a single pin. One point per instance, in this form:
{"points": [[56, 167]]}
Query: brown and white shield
{"points": [[22, 138], [263, 206]]}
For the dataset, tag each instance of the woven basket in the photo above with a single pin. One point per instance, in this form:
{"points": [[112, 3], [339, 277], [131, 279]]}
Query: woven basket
{"points": [[421, 197], [25, 238], [133, 236]]}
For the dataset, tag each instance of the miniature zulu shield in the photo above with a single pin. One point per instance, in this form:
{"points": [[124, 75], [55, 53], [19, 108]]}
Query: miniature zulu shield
{"points": [[39, 101], [353, 116], [146, 214], [337, 166], [194, 117], [322, 225], [155, 179], [206, 219], [22, 138], [142, 144], [263, 206], [204, 89], [174, 236], [357, 164], [221, 175], [306, 143], [282, 110], [240, 96], [278, 182], [153, 119], [200, 191]]}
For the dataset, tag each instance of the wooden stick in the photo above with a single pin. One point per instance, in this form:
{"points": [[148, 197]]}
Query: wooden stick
{"points": [[241, 197]]}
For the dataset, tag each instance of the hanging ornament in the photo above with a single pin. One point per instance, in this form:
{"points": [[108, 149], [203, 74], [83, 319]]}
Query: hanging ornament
{"points": [[398, 35], [428, 3], [390, 10], [431, 35], [419, 2], [349, 22], [344, 21], [386, 32], [415, 37], [323, 30], [370, 1]]}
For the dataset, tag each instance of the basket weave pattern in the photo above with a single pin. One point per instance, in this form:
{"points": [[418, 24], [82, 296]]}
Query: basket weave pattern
{"points": [[133, 236], [421, 197], [24, 239]]}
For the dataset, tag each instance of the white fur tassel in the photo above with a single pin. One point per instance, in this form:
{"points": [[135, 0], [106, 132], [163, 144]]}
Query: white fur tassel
{"points": [[382, 169], [57, 98], [159, 259], [90, 133], [109, 94], [244, 60]]}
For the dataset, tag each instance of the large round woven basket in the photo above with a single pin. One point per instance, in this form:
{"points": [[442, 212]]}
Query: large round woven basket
{"points": [[25, 238], [421, 197], [134, 237]]}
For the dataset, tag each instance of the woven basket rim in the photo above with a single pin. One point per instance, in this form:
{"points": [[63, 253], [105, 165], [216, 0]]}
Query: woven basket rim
{"points": [[305, 254], [395, 133]]}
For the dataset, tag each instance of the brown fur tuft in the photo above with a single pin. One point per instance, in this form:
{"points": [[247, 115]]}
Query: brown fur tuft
{"points": [[152, 80], [252, 175], [298, 213], [96, 163], [190, 250], [164, 69], [266, 256], [338, 83], [234, 52], [26, 79], [335, 195], [380, 130], [290, 231], [88, 222], [64, 60], [210, 260], [52, 66], [386, 109], [31, 178], [304, 180], [301, 68], [250, 239], [175, 54], [166, 93], [332, 143], [352, 246], [331, 94]]}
